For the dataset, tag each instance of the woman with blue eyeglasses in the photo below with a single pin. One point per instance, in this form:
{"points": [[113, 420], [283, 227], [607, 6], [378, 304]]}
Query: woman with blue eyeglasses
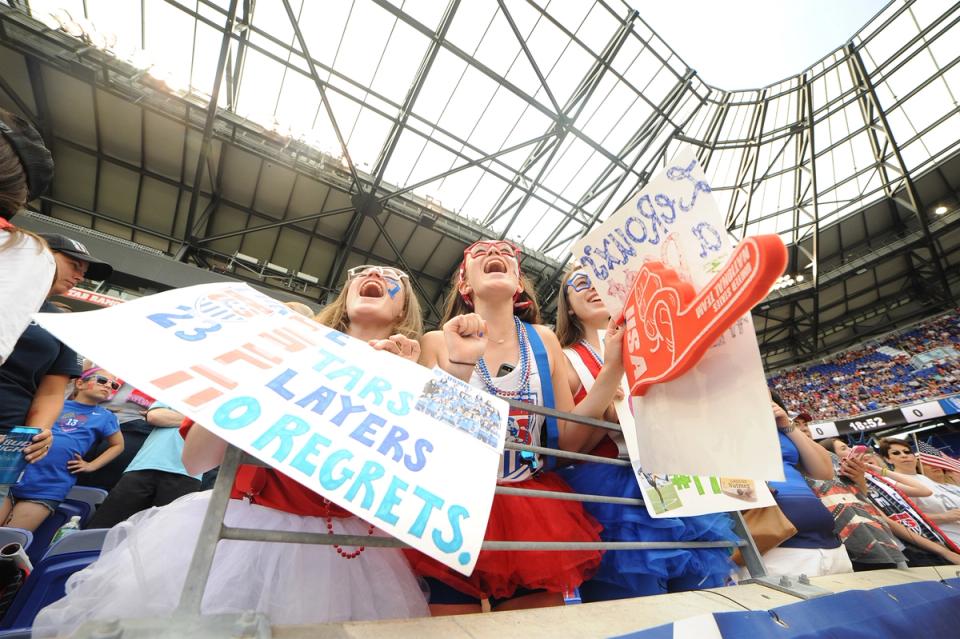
{"points": [[581, 315]]}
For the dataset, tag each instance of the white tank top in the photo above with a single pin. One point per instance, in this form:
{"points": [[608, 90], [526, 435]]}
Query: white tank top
{"points": [[522, 427]]}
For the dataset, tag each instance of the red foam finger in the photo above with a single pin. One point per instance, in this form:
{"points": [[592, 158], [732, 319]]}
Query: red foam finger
{"points": [[670, 327]]}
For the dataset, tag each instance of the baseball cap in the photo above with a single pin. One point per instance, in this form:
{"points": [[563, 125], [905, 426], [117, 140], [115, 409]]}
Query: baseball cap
{"points": [[97, 269], [804, 416], [28, 145]]}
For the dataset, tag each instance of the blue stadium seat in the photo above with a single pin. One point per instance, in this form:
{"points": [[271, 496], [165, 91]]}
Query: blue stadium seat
{"points": [[47, 582], [83, 541], [44, 534], [15, 536], [88, 494]]}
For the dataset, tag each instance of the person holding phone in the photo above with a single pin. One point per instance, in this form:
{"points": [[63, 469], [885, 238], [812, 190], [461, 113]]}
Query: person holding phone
{"points": [[861, 527]]}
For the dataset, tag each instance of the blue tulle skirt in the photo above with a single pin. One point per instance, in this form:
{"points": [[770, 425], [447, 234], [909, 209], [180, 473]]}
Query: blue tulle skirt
{"points": [[631, 573]]}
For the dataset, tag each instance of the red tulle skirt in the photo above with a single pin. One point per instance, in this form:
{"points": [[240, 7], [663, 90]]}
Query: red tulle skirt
{"points": [[498, 573]]}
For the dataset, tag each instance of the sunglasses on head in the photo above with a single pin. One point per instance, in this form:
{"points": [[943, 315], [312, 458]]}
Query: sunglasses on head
{"points": [[486, 247], [103, 381], [579, 282]]}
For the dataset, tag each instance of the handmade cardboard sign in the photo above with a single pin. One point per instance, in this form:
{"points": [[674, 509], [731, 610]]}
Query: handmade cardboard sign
{"points": [[667, 496], [716, 418], [669, 327], [411, 450]]}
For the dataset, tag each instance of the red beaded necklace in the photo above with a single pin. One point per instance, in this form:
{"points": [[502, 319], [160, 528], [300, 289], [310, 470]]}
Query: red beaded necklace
{"points": [[340, 551]]}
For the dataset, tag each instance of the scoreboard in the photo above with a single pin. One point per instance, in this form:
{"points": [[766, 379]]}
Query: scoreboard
{"points": [[890, 418]]}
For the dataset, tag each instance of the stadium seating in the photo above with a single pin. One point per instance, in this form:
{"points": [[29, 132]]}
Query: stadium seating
{"points": [[88, 494], [49, 577], [875, 376], [43, 535]]}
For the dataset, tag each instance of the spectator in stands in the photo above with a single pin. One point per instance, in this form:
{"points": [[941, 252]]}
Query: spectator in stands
{"points": [[34, 378], [943, 506], [815, 549], [802, 423], [869, 479], [130, 406], [155, 477], [143, 566], [876, 376], [505, 329], [81, 424], [862, 528], [936, 465], [26, 170], [581, 315], [891, 493]]}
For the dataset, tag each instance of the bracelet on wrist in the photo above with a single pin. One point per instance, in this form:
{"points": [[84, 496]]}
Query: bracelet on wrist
{"points": [[787, 429], [470, 364]]}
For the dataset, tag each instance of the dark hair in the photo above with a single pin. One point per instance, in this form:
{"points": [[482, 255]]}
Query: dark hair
{"points": [[885, 444], [775, 396], [13, 178]]}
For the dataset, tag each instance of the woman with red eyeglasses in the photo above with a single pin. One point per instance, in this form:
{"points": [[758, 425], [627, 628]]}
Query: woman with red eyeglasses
{"points": [[581, 315], [492, 339], [81, 425], [145, 560]]}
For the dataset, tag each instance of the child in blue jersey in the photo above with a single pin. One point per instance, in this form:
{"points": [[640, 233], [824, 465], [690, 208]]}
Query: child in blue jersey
{"points": [[80, 426]]}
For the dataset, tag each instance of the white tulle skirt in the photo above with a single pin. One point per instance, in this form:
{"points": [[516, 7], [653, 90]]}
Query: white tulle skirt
{"points": [[144, 562]]}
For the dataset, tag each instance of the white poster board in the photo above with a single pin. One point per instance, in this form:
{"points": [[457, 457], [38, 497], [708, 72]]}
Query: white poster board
{"points": [[411, 450], [716, 419], [666, 496]]}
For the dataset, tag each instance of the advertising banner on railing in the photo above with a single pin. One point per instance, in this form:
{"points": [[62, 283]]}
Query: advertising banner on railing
{"points": [[411, 450], [716, 419]]}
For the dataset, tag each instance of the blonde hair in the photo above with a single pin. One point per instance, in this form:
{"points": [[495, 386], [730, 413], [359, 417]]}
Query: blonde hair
{"points": [[298, 307], [529, 312], [569, 328], [409, 325]]}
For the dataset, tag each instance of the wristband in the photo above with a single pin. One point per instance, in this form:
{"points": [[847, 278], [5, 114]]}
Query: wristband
{"points": [[470, 364], [787, 429]]}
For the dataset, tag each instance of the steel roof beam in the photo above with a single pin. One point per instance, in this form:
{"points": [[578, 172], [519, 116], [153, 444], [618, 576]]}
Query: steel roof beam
{"points": [[863, 81], [206, 140]]}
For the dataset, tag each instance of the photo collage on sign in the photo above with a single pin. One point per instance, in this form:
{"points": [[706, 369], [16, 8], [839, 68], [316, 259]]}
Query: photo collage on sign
{"points": [[456, 403]]}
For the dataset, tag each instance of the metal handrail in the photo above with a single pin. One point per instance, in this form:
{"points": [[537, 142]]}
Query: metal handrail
{"points": [[213, 528]]}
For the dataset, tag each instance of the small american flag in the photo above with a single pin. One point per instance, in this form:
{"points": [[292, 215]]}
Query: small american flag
{"points": [[932, 456]]}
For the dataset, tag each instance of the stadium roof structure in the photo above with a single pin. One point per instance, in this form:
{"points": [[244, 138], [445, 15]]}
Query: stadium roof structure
{"points": [[341, 133]]}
